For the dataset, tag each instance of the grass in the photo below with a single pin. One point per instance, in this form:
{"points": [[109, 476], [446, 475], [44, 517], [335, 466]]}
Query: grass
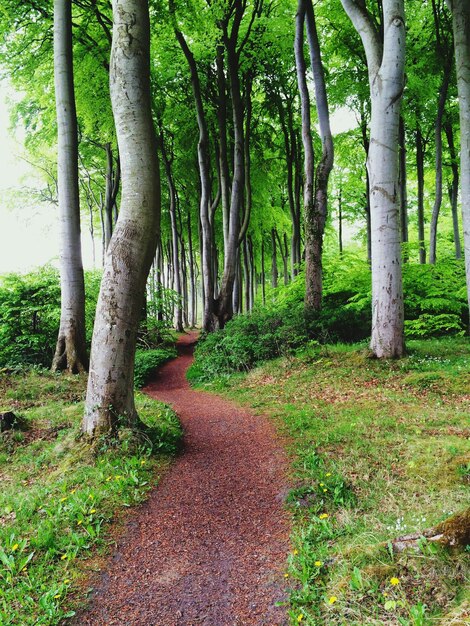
{"points": [[59, 497], [380, 450]]}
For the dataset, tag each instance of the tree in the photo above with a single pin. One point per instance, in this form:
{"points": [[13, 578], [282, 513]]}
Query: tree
{"points": [[461, 27], [385, 61], [70, 351], [316, 220], [110, 392]]}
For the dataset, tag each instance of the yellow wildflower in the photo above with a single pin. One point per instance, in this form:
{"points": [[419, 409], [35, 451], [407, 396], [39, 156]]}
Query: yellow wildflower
{"points": [[295, 552], [66, 581], [63, 557], [300, 617], [80, 522], [324, 490], [332, 600], [328, 474], [91, 496], [15, 547], [109, 478], [92, 511], [394, 581], [323, 516], [73, 491], [318, 563], [286, 575], [57, 595], [63, 499], [322, 484], [143, 462]]}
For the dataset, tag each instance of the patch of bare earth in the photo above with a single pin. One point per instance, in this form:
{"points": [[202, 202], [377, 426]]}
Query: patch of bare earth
{"points": [[210, 544]]}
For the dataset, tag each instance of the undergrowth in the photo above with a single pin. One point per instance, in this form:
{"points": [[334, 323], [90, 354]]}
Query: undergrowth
{"points": [[381, 450], [59, 496]]}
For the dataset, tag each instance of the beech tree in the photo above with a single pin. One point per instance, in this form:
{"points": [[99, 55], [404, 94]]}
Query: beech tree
{"points": [[70, 351], [461, 27], [110, 392], [385, 62]]}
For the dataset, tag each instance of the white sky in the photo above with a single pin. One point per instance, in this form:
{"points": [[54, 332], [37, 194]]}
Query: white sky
{"points": [[28, 233], [28, 226]]}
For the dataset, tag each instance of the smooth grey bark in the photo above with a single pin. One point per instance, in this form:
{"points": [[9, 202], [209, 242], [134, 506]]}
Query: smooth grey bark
{"points": [[301, 69], [438, 164], [403, 186], [461, 27], [315, 223], [454, 188], [70, 353], [385, 63], [110, 393], [420, 149]]}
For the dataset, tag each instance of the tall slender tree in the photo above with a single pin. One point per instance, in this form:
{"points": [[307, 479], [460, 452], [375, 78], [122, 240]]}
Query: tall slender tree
{"points": [[110, 392], [461, 27], [386, 61], [70, 353]]}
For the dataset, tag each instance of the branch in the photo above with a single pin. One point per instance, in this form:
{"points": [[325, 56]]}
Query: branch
{"points": [[363, 23]]}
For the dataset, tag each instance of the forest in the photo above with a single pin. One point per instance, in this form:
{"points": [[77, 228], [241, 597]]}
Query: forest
{"points": [[264, 369]]}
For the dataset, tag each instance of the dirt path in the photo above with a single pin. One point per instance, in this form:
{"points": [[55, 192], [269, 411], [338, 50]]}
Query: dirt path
{"points": [[210, 545]]}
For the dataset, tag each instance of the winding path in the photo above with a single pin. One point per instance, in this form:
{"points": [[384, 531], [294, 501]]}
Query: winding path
{"points": [[209, 545]]}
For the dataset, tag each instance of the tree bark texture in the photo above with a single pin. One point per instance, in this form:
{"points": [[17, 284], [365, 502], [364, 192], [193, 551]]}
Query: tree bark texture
{"points": [[110, 393], [315, 223], [70, 353], [386, 79], [454, 188], [461, 27]]}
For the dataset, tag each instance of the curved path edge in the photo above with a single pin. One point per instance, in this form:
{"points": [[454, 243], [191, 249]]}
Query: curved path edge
{"points": [[210, 544]]}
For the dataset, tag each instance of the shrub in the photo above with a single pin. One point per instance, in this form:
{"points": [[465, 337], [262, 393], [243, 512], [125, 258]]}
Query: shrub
{"points": [[435, 304], [146, 361]]}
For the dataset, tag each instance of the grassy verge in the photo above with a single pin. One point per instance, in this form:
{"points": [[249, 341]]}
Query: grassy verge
{"points": [[58, 497], [380, 450]]}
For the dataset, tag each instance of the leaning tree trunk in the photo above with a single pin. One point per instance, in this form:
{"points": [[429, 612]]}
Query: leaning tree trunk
{"points": [[461, 27], [110, 393], [386, 79], [70, 353]]}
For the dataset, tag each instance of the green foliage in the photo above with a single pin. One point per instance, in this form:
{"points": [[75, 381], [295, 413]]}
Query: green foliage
{"points": [[147, 361], [435, 305], [30, 314]]}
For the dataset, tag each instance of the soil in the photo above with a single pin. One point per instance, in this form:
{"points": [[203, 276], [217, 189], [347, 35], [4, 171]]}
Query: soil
{"points": [[210, 544]]}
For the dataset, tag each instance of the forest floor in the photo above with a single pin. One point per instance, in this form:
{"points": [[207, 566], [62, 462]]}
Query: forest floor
{"points": [[210, 544], [380, 449]]}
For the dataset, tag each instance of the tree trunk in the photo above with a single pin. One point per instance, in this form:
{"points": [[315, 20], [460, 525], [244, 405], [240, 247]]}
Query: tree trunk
{"points": [[110, 393], [403, 186], [204, 174], [340, 220], [438, 194], [70, 353], [315, 223], [420, 178], [174, 235], [454, 188], [461, 27], [263, 273], [274, 273], [386, 79], [192, 278], [306, 125]]}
